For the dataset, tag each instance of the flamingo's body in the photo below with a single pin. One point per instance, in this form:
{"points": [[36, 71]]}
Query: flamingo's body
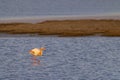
{"points": [[36, 52]]}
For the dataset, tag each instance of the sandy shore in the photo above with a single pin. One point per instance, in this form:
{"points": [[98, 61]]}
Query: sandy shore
{"points": [[65, 28]]}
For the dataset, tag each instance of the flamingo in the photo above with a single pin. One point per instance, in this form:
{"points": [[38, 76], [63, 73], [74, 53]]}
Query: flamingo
{"points": [[36, 52]]}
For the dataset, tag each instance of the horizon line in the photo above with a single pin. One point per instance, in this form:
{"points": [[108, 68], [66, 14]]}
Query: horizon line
{"points": [[35, 19]]}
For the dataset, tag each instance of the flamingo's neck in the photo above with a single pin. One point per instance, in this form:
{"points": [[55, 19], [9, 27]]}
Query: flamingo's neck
{"points": [[41, 51]]}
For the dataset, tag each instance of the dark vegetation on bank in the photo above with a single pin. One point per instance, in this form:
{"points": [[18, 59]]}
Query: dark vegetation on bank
{"points": [[65, 28]]}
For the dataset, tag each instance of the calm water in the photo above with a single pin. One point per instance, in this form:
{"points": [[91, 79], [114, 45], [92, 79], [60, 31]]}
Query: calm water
{"points": [[21, 8], [72, 58]]}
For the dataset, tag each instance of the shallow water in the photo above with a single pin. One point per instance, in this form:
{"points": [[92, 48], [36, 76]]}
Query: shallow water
{"points": [[71, 58], [23, 8]]}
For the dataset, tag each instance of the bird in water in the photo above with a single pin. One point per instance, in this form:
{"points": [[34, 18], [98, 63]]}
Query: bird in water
{"points": [[36, 52]]}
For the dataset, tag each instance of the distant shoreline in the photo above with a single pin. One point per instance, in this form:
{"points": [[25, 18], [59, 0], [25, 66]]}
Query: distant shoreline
{"points": [[38, 19], [83, 27]]}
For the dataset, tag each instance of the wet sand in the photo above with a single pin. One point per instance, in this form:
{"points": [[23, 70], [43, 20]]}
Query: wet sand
{"points": [[83, 27]]}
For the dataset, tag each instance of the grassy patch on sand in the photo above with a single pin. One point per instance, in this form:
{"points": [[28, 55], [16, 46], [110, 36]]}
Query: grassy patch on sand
{"points": [[65, 28]]}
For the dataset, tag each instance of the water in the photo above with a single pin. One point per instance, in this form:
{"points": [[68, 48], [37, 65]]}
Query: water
{"points": [[23, 8], [72, 58]]}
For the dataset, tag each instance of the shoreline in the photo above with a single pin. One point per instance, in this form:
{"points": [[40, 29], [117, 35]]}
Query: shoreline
{"points": [[65, 28], [38, 19]]}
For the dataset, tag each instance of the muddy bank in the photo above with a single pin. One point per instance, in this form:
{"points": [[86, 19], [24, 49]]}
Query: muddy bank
{"points": [[65, 28]]}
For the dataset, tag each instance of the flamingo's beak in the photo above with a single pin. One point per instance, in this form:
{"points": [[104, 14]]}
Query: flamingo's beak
{"points": [[43, 48]]}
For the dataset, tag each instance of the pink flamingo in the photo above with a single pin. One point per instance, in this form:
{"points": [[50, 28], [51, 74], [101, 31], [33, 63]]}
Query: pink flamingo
{"points": [[36, 52]]}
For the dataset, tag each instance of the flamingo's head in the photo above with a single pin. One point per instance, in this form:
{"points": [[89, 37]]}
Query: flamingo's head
{"points": [[43, 48]]}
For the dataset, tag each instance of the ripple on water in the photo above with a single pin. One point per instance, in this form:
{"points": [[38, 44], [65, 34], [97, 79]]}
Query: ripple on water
{"points": [[78, 58]]}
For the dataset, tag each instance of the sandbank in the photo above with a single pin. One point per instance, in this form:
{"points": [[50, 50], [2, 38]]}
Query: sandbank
{"points": [[67, 25]]}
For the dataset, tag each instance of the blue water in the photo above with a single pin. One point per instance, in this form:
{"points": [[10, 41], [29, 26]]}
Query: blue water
{"points": [[72, 58], [23, 8]]}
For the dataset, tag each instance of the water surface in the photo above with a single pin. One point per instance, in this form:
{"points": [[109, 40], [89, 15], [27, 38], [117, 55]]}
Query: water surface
{"points": [[23, 8], [71, 58]]}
